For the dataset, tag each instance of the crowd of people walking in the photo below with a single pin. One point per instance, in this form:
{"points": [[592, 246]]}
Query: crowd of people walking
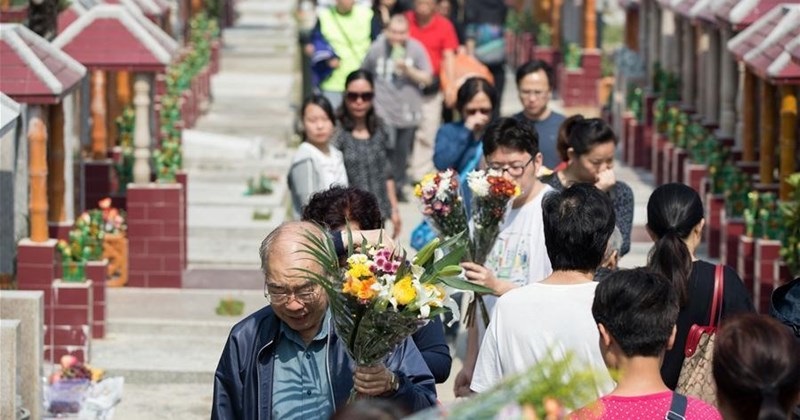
{"points": [[390, 106]]}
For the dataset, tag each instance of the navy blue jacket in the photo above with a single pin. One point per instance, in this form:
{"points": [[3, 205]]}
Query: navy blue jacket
{"points": [[243, 380]]}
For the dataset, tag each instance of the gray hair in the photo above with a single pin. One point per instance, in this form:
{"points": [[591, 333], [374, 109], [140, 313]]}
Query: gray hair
{"points": [[285, 228]]}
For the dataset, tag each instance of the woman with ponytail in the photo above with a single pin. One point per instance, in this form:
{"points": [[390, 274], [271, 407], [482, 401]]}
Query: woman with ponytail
{"points": [[757, 369], [587, 147], [675, 222]]}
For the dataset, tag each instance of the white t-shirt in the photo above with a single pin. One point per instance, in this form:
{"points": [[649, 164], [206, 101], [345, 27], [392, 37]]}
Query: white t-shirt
{"points": [[530, 321], [328, 170], [519, 255]]}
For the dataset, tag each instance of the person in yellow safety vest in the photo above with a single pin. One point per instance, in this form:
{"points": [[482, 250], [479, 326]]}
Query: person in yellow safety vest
{"points": [[339, 42]]}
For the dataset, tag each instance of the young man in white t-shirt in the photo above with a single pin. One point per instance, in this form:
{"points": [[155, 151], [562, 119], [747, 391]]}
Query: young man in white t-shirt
{"points": [[553, 317], [519, 256]]}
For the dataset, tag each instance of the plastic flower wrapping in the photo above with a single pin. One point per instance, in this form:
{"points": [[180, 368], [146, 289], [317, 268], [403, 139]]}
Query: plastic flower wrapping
{"points": [[548, 390], [378, 297], [442, 204], [491, 195]]}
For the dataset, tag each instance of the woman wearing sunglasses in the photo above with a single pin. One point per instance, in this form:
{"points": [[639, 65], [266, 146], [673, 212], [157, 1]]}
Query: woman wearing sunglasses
{"points": [[458, 143], [363, 141]]}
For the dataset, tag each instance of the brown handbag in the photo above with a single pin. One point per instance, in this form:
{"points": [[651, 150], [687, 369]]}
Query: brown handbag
{"points": [[696, 379]]}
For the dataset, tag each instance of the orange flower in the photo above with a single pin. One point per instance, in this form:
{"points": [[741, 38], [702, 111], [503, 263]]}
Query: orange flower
{"points": [[104, 203], [361, 289]]}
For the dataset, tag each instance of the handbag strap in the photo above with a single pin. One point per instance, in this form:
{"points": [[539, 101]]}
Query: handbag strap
{"points": [[677, 408], [716, 302]]}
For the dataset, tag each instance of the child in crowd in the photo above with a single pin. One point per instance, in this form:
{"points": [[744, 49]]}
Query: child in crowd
{"points": [[635, 311]]}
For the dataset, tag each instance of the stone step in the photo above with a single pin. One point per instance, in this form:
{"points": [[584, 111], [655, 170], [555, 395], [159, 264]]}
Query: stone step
{"points": [[122, 327], [233, 194], [252, 85], [159, 358], [226, 252]]}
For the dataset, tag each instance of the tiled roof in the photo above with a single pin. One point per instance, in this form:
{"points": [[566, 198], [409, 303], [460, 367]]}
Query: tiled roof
{"points": [[148, 7], [742, 13], [682, 7], [763, 46], [794, 50], [9, 111], [703, 10], [33, 70], [111, 37], [69, 15]]}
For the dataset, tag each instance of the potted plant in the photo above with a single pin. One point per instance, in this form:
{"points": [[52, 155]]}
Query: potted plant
{"points": [[543, 50], [790, 223], [84, 244]]}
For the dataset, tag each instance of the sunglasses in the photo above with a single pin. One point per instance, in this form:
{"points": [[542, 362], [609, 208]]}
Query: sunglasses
{"points": [[484, 111], [364, 96]]}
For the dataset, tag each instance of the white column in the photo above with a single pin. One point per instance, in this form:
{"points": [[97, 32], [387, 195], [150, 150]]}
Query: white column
{"points": [[667, 40], [729, 109], [141, 131], [71, 145]]}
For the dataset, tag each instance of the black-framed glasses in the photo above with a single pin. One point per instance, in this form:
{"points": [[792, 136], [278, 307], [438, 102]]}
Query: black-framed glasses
{"points": [[513, 170], [305, 295], [364, 96]]}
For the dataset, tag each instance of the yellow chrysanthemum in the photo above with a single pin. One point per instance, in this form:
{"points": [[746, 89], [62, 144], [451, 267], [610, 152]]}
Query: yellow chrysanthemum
{"points": [[359, 271], [517, 191], [418, 190], [404, 292]]}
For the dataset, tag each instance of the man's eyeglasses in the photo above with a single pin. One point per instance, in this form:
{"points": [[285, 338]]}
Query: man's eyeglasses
{"points": [[484, 111], [364, 96], [513, 170], [304, 296], [536, 93]]}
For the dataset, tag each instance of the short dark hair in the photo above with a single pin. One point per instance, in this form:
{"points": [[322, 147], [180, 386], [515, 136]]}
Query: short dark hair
{"points": [[756, 366], [639, 309], [582, 134], [511, 133], [532, 67], [320, 101], [335, 207], [347, 120], [577, 224], [472, 87]]}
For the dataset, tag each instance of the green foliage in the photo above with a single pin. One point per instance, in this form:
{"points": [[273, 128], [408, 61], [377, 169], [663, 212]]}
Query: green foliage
{"points": [[572, 56], [737, 185], [168, 160], [179, 76], [230, 307], [126, 122], [84, 243], [519, 21], [560, 379], [790, 223], [666, 84], [634, 101], [544, 35], [660, 114], [263, 185]]}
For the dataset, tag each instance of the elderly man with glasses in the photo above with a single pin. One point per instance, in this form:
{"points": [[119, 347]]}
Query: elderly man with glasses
{"points": [[519, 256], [285, 361]]}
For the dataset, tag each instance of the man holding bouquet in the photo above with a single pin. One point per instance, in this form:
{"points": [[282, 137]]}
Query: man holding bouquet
{"points": [[287, 361]]}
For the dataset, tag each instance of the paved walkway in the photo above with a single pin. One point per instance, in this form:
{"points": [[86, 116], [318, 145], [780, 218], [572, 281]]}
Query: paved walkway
{"points": [[167, 342]]}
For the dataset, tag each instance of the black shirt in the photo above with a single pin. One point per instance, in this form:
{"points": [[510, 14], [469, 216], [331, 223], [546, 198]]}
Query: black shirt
{"points": [[735, 299]]}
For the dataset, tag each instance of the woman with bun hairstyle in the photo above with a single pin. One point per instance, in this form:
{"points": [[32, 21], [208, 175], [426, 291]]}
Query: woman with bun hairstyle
{"points": [[675, 222], [587, 145], [757, 369]]}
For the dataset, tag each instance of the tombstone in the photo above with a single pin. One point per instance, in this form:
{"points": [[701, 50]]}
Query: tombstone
{"points": [[28, 308], [9, 339]]}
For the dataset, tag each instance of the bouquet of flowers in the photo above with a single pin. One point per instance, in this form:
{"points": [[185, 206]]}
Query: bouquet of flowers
{"points": [[548, 390], [491, 193], [68, 385], [378, 298], [113, 219], [442, 204]]}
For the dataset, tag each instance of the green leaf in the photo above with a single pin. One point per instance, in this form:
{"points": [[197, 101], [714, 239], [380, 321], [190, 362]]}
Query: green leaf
{"points": [[457, 282]]}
